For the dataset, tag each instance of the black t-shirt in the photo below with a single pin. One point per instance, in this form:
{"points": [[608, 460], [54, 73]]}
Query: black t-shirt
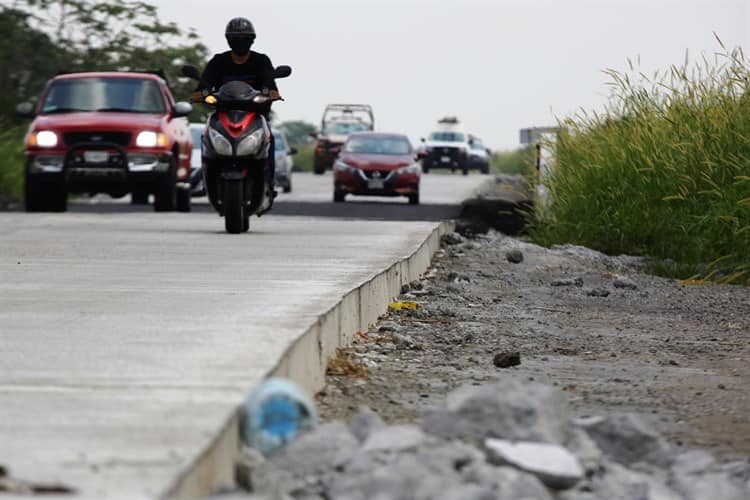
{"points": [[256, 71]]}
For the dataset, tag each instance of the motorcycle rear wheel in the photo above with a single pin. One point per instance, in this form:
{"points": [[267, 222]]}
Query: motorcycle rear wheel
{"points": [[234, 206]]}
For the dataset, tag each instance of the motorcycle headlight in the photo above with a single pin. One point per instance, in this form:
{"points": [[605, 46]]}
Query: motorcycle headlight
{"points": [[414, 168], [221, 144], [251, 144]]}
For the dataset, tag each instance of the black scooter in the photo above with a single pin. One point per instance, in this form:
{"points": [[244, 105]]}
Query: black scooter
{"points": [[236, 151]]}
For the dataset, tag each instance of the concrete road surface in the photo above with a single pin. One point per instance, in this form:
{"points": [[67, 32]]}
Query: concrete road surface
{"points": [[128, 338]]}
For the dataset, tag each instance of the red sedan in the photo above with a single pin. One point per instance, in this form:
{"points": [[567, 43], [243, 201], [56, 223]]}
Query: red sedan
{"points": [[378, 164]]}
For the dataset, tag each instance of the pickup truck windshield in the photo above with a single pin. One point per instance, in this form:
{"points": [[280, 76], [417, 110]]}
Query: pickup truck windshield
{"points": [[344, 128], [447, 137], [378, 146], [125, 95]]}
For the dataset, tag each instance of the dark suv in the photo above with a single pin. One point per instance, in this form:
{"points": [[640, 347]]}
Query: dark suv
{"points": [[114, 133]]}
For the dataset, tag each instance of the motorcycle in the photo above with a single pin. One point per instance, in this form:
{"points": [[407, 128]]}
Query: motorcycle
{"points": [[236, 151]]}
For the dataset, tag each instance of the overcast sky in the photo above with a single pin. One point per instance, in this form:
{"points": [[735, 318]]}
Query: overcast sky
{"points": [[499, 65]]}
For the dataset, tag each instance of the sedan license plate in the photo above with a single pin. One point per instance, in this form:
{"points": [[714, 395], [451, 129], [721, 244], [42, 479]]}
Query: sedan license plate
{"points": [[445, 159], [376, 184], [96, 156]]}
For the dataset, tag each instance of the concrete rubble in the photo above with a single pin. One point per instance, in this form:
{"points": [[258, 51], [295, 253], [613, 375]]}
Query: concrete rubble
{"points": [[509, 439]]}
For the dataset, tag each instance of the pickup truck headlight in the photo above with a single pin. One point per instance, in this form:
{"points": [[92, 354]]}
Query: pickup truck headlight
{"points": [[149, 139], [42, 139], [221, 144], [251, 144]]}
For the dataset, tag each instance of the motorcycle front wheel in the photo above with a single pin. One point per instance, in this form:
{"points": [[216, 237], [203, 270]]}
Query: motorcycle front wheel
{"points": [[234, 206]]}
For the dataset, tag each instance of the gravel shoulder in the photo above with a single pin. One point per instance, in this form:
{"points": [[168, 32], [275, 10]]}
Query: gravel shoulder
{"points": [[610, 336]]}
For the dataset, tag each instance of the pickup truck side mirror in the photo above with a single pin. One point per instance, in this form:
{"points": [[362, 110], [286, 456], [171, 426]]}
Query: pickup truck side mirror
{"points": [[293, 151], [25, 110], [182, 109], [421, 155]]}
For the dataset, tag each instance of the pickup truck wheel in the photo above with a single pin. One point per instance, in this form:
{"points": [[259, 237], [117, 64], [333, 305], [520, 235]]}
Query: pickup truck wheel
{"points": [[184, 200], [319, 170], [414, 199], [486, 169], [139, 196], [288, 186], [45, 195], [338, 196], [165, 195]]}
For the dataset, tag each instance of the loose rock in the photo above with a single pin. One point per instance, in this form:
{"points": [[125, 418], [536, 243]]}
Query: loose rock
{"points": [[507, 359], [514, 256], [598, 292], [364, 423], [567, 282], [453, 239], [626, 439], [555, 466], [507, 409], [623, 282]]}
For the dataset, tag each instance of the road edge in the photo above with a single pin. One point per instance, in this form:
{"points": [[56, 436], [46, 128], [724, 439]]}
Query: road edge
{"points": [[305, 360]]}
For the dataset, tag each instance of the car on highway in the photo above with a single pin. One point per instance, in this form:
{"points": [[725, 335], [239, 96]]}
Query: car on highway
{"points": [[196, 160], [108, 132], [379, 164], [446, 147], [479, 155], [338, 122], [284, 161]]}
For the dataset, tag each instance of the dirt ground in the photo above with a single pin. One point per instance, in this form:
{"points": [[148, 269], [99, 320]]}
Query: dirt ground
{"points": [[676, 353]]}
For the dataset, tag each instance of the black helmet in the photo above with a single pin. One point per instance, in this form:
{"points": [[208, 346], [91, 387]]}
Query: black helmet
{"points": [[240, 35], [240, 27]]}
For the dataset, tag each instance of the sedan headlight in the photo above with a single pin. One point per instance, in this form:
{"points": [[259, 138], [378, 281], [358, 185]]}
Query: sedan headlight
{"points": [[414, 168], [42, 139], [343, 167], [149, 139], [251, 144], [220, 143]]}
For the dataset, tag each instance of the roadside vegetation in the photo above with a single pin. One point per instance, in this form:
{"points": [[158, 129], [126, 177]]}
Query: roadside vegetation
{"points": [[664, 171], [517, 161], [39, 38]]}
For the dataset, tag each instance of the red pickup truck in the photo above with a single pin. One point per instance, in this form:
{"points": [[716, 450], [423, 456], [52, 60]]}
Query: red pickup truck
{"points": [[114, 133]]}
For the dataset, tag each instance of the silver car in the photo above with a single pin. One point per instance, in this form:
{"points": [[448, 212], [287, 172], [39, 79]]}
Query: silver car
{"points": [[284, 161], [196, 160]]}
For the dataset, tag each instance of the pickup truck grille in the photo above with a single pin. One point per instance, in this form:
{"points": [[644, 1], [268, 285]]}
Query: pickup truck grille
{"points": [[119, 138]]}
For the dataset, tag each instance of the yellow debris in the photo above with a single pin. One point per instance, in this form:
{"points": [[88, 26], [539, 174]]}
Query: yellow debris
{"points": [[402, 304]]}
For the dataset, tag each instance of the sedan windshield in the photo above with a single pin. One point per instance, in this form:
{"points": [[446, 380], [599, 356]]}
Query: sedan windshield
{"points": [[127, 95], [447, 136], [378, 145]]}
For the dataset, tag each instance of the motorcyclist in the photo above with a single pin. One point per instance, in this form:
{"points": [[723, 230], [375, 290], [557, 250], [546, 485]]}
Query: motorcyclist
{"points": [[242, 64]]}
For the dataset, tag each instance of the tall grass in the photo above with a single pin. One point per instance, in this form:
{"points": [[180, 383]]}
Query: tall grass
{"points": [[517, 161], [664, 171], [11, 163]]}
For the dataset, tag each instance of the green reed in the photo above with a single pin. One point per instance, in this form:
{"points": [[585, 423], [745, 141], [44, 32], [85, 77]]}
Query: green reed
{"points": [[663, 171]]}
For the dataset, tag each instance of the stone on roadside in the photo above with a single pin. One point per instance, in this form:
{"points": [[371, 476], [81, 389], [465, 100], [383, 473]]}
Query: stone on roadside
{"points": [[506, 359], [453, 239], [249, 460], [627, 439], [506, 409], [507, 483], [555, 466], [364, 423], [394, 438], [404, 341], [514, 256], [597, 292], [626, 283], [578, 281]]}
